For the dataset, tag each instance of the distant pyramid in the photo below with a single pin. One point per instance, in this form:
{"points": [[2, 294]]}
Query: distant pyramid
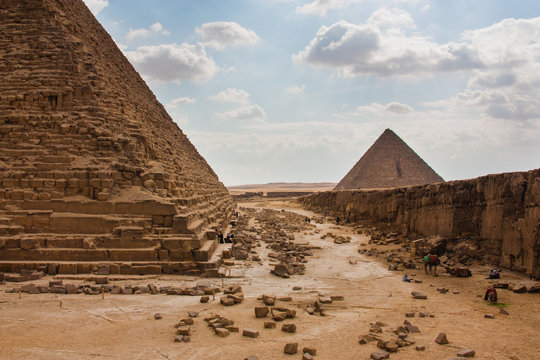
{"points": [[389, 162], [93, 171]]}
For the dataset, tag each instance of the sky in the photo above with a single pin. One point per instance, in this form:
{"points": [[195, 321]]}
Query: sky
{"points": [[297, 91]]}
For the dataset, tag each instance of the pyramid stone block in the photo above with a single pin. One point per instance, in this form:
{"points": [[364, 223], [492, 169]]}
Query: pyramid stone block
{"points": [[90, 161], [388, 163]]}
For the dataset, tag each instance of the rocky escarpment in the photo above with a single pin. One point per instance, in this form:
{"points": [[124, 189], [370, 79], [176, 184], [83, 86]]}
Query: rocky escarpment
{"points": [[503, 210]]}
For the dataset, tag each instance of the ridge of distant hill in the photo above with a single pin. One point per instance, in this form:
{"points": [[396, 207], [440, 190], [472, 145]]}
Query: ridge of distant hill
{"points": [[283, 186]]}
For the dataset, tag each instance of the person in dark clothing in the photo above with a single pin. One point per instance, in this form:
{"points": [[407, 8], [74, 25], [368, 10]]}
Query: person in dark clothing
{"points": [[220, 237], [491, 294]]}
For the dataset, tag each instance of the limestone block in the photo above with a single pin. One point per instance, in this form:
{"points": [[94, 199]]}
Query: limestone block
{"points": [[102, 196], [67, 268], [149, 184], [49, 183], [60, 184], [36, 183], [73, 183], [107, 183], [44, 196]]}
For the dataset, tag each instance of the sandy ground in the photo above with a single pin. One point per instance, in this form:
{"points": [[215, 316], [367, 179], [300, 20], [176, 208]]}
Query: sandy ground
{"points": [[51, 326]]}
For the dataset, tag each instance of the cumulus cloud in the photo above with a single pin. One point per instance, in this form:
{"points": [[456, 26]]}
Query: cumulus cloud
{"points": [[173, 62], [296, 89], [221, 34], [392, 18], [246, 114], [398, 108], [180, 101], [237, 96], [383, 46], [96, 6], [321, 7], [359, 49], [156, 28]]}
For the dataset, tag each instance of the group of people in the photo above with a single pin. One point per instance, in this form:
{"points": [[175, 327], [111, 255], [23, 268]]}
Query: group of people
{"points": [[225, 240]]}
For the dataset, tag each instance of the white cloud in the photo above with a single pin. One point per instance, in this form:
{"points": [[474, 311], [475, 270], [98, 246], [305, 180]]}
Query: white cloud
{"points": [[425, 8], [393, 17], [398, 108], [221, 34], [180, 101], [173, 62], [382, 47], [249, 114], [321, 7], [296, 89], [237, 96], [156, 28], [96, 6]]}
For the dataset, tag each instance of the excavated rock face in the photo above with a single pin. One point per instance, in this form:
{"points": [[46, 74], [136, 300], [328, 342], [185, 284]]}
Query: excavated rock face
{"points": [[388, 163], [86, 149], [495, 216]]}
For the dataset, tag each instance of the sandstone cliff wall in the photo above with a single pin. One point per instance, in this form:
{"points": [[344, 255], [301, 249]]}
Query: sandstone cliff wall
{"points": [[503, 210]]}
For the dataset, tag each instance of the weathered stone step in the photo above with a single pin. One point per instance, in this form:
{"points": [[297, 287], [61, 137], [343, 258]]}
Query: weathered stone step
{"points": [[75, 223], [11, 229], [59, 254], [124, 268], [142, 207]]}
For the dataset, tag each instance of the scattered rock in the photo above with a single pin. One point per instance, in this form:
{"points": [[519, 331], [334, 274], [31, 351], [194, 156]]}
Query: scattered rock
{"points": [[291, 348], [489, 316], [419, 295], [269, 325], [310, 351], [222, 332], [503, 311], [441, 339], [420, 347], [205, 299], [466, 353], [250, 333], [289, 328], [158, 316], [261, 311], [378, 355]]}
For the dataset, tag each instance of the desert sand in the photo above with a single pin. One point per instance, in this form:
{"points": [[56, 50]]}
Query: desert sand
{"points": [[55, 326]]}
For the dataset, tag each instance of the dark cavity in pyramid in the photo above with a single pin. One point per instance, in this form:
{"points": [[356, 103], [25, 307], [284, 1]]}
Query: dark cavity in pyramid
{"points": [[94, 174], [388, 163]]}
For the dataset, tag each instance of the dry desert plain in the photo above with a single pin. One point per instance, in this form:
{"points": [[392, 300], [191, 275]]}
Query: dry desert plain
{"points": [[60, 326]]}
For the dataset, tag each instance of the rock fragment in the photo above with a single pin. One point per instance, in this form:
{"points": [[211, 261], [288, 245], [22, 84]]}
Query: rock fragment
{"points": [[291, 348]]}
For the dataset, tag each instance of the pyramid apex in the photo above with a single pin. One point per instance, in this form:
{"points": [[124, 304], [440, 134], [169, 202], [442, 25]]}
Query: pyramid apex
{"points": [[388, 163]]}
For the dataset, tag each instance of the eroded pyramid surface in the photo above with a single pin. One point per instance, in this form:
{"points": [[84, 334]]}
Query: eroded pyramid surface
{"points": [[92, 168]]}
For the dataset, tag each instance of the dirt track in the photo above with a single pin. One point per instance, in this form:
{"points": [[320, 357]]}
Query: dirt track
{"points": [[51, 326]]}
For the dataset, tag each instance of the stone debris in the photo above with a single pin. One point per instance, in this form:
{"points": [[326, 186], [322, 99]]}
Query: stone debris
{"points": [[489, 316], [420, 347], [466, 353], [309, 350], [158, 316], [503, 311], [183, 330], [250, 333], [379, 355], [261, 311], [419, 295], [251, 357], [289, 328], [441, 339], [221, 332], [269, 325], [291, 348]]}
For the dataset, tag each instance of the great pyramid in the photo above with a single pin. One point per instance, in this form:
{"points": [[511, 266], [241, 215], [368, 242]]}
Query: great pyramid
{"points": [[94, 174], [388, 163]]}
